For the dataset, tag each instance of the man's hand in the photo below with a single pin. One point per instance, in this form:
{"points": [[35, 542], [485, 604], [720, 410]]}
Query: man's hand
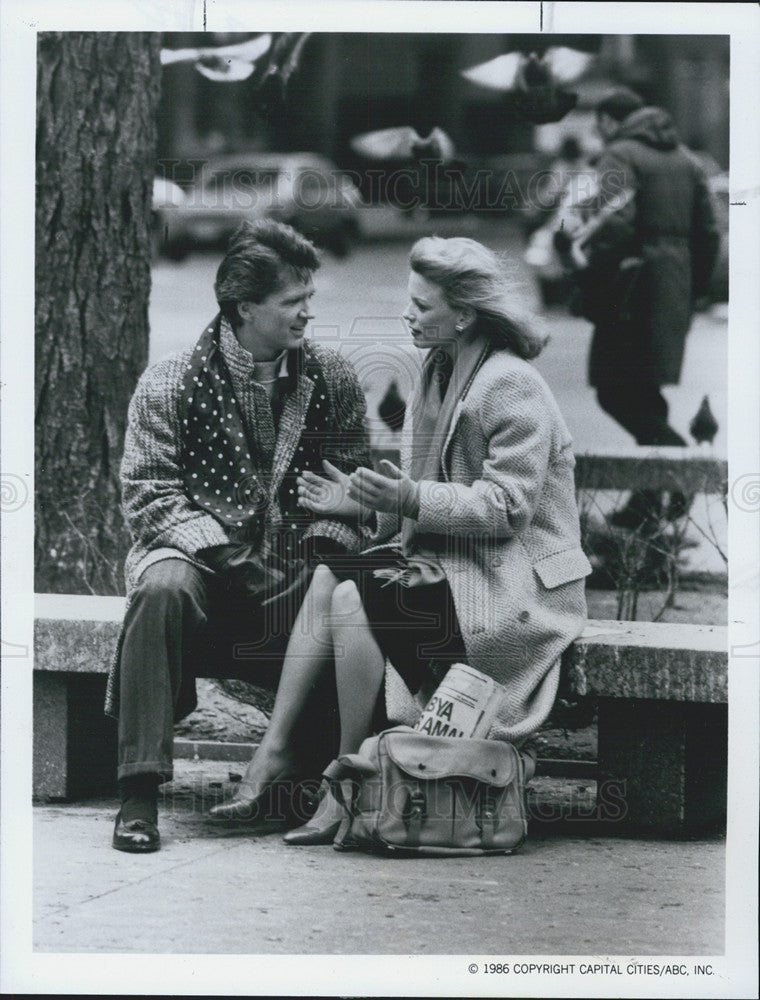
{"points": [[299, 581], [242, 567], [393, 493], [315, 549], [327, 495]]}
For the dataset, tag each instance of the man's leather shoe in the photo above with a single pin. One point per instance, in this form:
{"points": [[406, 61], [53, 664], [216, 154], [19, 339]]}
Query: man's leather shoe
{"points": [[136, 836]]}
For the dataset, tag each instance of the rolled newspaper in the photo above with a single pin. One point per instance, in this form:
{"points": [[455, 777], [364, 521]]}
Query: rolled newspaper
{"points": [[464, 704]]}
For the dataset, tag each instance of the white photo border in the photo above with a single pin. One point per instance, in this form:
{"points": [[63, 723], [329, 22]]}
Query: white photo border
{"points": [[23, 970]]}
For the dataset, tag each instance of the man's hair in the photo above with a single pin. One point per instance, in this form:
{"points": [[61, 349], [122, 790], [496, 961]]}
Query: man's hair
{"points": [[619, 104], [262, 257]]}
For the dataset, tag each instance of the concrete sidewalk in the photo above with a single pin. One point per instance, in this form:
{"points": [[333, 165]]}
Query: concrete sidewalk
{"points": [[219, 889]]}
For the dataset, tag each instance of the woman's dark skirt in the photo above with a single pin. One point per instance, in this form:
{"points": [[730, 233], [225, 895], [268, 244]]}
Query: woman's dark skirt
{"points": [[416, 627]]}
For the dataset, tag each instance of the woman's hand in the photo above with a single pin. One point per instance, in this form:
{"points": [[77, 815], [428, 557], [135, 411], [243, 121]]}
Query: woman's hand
{"points": [[394, 492], [327, 495]]}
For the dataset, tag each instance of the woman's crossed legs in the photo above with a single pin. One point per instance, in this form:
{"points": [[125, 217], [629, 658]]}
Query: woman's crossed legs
{"points": [[331, 626]]}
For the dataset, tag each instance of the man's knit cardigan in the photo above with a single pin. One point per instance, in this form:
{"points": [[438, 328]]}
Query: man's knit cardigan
{"points": [[158, 510], [163, 520]]}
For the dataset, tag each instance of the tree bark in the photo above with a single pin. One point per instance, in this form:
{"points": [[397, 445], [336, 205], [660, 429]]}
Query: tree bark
{"points": [[97, 96]]}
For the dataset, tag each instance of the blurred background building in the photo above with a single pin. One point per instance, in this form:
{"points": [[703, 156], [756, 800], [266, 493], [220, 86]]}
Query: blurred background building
{"points": [[346, 85], [352, 83]]}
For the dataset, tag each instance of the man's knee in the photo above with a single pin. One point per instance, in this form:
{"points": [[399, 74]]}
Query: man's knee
{"points": [[171, 582]]}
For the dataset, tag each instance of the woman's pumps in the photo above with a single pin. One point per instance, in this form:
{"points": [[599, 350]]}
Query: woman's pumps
{"points": [[254, 800], [248, 803], [324, 824]]}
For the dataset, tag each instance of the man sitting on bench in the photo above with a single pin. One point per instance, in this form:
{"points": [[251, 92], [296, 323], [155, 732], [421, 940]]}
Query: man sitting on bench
{"points": [[217, 437]]}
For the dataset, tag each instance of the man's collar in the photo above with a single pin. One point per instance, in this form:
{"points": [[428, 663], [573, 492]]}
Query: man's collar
{"points": [[238, 359]]}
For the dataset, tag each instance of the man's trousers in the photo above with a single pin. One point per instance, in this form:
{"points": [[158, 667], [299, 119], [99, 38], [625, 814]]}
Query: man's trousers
{"points": [[640, 408]]}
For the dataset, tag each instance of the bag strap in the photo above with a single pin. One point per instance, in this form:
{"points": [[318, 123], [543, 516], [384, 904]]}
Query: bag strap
{"points": [[487, 819], [414, 814], [347, 765], [344, 775], [528, 758], [344, 791]]}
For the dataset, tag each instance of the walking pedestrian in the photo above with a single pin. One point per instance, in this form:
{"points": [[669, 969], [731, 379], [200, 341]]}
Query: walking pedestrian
{"points": [[649, 243]]}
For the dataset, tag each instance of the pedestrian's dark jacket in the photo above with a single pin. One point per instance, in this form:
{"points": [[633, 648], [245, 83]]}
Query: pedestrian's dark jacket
{"points": [[670, 223]]}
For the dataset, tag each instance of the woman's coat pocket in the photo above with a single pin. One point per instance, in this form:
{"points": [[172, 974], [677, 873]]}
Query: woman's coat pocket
{"points": [[562, 567]]}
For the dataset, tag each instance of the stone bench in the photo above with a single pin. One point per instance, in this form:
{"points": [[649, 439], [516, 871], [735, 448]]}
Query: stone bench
{"points": [[74, 745], [661, 692], [662, 698], [641, 467]]}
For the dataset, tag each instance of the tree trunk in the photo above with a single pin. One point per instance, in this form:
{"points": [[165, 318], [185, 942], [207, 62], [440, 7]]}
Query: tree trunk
{"points": [[97, 95]]}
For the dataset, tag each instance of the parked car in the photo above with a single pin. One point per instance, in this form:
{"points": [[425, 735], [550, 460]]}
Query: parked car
{"points": [[303, 189]]}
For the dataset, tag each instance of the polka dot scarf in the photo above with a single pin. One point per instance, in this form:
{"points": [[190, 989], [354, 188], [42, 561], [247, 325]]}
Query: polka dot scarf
{"points": [[219, 472]]}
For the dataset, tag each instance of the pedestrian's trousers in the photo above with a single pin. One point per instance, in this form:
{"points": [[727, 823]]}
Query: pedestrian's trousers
{"points": [[183, 623], [641, 409]]}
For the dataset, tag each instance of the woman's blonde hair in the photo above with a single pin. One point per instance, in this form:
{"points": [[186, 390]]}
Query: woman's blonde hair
{"points": [[470, 274]]}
